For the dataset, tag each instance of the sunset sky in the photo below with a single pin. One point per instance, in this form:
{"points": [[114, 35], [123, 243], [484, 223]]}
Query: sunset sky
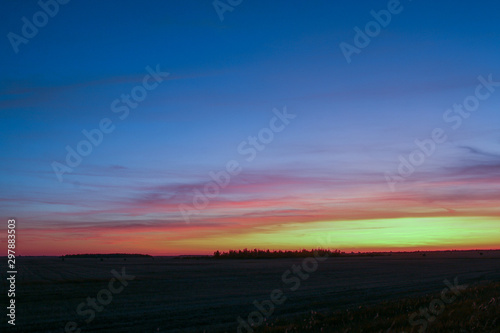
{"points": [[331, 133]]}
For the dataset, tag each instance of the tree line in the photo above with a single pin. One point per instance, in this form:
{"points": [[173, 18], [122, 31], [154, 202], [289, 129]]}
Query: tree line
{"points": [[262, 254]]}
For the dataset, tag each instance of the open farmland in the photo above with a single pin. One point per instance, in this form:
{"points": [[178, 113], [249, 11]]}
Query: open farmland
{"points": [[196, 295]]}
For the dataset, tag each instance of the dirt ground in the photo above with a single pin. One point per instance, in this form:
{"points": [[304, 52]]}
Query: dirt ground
{"points": [[197, 295]]}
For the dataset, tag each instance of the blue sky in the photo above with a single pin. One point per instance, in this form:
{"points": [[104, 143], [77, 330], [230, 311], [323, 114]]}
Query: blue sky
{"points": [[353, 120]]}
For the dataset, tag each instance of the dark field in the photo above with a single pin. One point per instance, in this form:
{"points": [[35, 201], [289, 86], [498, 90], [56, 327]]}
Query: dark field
{"points": [[190, 295]]}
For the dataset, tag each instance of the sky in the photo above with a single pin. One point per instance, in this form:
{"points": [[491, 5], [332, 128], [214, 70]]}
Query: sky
{"points": [[185, 127]]}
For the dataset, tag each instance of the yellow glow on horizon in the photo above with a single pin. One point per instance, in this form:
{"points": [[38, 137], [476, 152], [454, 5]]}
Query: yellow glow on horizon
{"points": [[398, 234], [363, 235]]}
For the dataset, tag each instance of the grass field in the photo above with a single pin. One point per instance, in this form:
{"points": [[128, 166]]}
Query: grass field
{"points": [[189, 295]]}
